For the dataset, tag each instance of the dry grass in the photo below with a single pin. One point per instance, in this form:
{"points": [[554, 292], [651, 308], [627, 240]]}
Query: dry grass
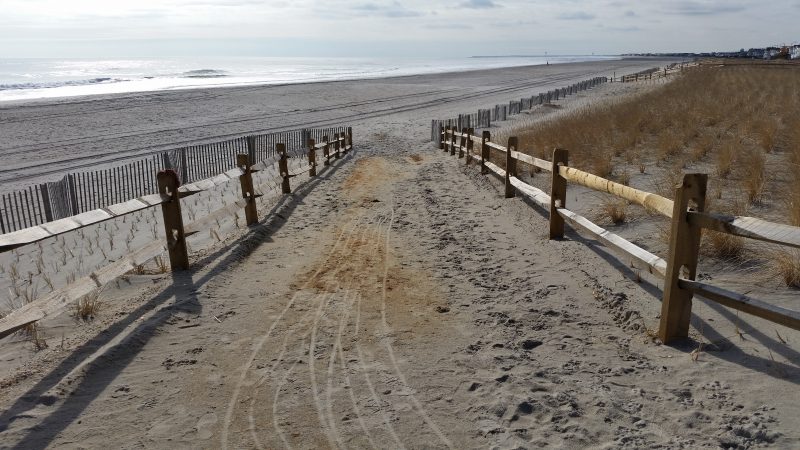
{"points": [[787, 265], [723, 245], [740, 124], [753, 178], [86, 307], [615, 210]]}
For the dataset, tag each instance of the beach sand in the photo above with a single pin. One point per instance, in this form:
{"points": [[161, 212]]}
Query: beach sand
{"points": [[397, 300]]}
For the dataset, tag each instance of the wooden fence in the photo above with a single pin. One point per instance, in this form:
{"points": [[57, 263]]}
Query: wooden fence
{"points": [[484, 117], [79, 192], [168, 195], [686, 213]]}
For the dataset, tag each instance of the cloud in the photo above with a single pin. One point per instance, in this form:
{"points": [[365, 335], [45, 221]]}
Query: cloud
{"points": [[703, 8], [630, 14], [479, 4], [394, 10], [579, 15]]}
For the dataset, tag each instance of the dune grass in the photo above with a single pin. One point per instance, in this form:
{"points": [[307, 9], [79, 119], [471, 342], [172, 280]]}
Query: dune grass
{"points": [[740, 124]]}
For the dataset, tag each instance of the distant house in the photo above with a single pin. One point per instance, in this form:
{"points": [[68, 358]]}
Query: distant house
{"points": [[795, 52]]}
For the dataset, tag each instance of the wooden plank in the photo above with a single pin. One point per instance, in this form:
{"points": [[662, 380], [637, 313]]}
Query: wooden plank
{"points": [[652, 202], [640, 258], [740, 302], [61, 299], [528, 159], [208, 219], [37, 233], [537, 195], [749, 227]]}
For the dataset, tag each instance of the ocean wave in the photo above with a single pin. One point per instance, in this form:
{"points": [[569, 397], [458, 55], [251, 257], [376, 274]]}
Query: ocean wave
{"points": [[204, 73], [55, 84]]}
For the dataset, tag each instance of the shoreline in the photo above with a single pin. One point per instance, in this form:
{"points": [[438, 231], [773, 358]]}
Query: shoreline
{"points": [[226, 73], [43, 139], [267, 84]]}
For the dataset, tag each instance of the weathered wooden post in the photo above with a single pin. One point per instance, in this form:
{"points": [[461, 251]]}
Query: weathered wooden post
{"points": [[445, 138], [312, 158], [511, 167], [684, 246], [168, 184], [453, 141], [336, 145], [283, 167], [485, 138], [248, 191], [350, 137], [326, 151], [558, 193], [441, 137], [470, 132], [462, 142]]}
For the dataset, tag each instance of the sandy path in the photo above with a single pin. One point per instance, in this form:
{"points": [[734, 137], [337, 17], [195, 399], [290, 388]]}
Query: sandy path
{"points": [[403, 303]]}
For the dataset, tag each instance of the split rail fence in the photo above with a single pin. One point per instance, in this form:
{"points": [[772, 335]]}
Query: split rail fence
{"points": [[484, 117], [686, 212], [168, 195], [79, 192]]}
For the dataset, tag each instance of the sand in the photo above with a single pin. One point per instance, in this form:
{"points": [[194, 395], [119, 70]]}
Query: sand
{"points": [[397, 300]]}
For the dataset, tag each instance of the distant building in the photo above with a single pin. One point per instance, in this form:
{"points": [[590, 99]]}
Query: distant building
{"points": [[795, 52]]}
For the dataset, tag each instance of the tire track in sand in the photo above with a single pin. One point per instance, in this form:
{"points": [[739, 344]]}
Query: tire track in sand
{"points": [[262, 340]]}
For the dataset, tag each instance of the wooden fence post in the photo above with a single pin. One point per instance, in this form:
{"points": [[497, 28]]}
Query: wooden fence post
{"points": [[326, 151], [443, 146], [312, 158], [336, 145], [441, 137], [485, 138], [168, 184], [470, 132], [558, 193], [511, 167], [462, 143], [684, 246], [283, 167], [248, 191], [453, 141], [350, 137]]}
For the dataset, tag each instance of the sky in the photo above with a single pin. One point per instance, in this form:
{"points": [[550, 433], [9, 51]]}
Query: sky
{"points": [[393, 28]]}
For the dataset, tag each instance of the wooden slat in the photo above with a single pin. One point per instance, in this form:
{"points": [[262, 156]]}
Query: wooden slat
{"points": [[58, 300], [208, 219], [744, 303], [641, 258], [528, 159], [749, 227], [652, 202], [535, 194], [34, 234]]}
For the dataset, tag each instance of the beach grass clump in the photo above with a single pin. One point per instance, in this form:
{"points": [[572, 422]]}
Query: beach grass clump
{"points": [[753, 178], [86, 307], [615, 210], [787, 265]]}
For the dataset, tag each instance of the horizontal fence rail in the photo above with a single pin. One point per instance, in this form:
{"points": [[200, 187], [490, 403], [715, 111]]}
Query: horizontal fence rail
{"points": [[80, 192], [484, 117], [679, 269], [168, 196]]}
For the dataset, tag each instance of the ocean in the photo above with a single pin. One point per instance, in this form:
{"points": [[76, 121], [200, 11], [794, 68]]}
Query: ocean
{"points": [[24, 79]]}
